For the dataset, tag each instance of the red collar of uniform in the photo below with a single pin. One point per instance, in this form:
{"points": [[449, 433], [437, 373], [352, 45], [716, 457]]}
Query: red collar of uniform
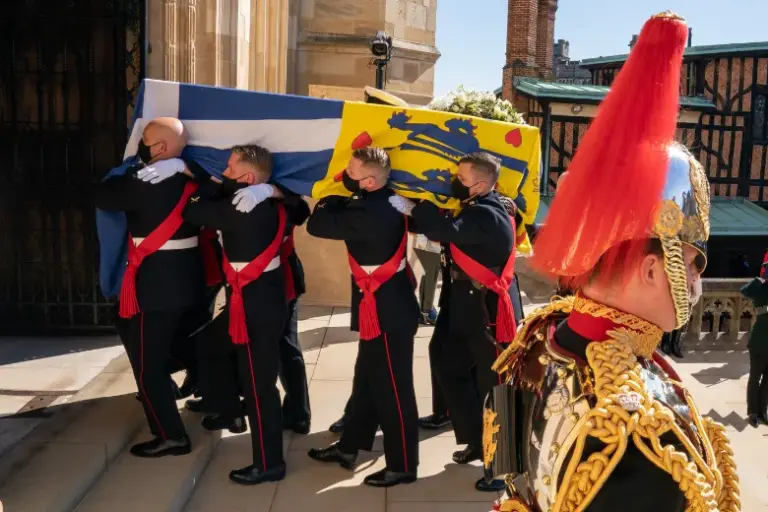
{"points": [[598, 322]]}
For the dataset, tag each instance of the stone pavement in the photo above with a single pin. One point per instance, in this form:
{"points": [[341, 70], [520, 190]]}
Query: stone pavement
{"points": [[716, 379], [37, 375]]}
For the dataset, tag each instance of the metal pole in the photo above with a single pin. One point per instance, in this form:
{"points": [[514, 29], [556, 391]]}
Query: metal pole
{"points": [[380, 74]]}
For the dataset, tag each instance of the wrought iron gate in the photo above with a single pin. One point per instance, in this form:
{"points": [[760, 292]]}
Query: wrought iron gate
{"points": [[69, 72]]}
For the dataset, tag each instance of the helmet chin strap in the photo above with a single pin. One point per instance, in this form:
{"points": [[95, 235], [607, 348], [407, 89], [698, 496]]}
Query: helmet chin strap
{"points": [[674, 265]]}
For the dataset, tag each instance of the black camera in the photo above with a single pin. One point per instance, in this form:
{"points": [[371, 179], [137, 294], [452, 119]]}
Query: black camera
{"points": [[381, 46]]}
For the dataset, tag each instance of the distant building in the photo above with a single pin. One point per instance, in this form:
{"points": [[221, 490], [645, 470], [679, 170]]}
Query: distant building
{"points": [[569, 71]]}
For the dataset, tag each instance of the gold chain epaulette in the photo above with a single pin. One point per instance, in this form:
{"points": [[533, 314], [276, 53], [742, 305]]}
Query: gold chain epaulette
{"points": [[626, 410], [526, 332]]}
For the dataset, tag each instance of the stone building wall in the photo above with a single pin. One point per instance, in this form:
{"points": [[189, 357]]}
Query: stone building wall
{"points": [[231, 43], [332, 45]]}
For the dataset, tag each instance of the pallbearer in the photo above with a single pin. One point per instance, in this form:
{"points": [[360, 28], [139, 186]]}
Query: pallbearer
{"points": [[293, 373], [384, 311], [164, 281], [256, 310], [479, 304]]}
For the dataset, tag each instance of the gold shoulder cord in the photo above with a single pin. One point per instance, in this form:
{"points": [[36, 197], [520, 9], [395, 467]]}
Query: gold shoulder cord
{"points": [[625, 409]]}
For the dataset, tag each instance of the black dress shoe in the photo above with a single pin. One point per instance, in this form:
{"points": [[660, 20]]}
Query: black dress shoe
{"points": [[187, 389], [677, 353], [338, 427], [219, 422], [200, 405], [483, 485], [386, 478], [467, 455], [160, 448], [434, 421], [753, 420], [299, 427], [254, 476], [333, 454]]}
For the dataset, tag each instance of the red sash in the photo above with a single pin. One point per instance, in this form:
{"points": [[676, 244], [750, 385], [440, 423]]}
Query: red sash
{"points": [[129, 305], [286, 249], [238, 279], [506, 326], [368, 316]]}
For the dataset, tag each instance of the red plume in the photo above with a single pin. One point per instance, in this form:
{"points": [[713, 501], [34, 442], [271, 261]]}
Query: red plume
{"points": [[616, 179]]}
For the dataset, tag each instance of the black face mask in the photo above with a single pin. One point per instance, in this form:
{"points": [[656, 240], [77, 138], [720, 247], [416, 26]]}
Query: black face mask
{"points": [[229, 187], [350, 184], [459, 190], [145, 152]]}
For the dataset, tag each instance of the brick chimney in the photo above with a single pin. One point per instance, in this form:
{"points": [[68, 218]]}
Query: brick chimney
{"points": [[530, 44], [522, 24], [545, 36]]}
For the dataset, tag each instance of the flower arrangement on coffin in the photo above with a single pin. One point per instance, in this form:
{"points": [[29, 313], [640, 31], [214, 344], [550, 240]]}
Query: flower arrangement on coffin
{"points": [[479, 104]]}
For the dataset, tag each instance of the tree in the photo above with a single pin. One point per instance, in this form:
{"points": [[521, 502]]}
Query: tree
{"points": [[478, 104]]}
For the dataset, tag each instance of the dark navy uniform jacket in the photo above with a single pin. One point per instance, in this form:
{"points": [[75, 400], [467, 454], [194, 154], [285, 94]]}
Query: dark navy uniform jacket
{"points": [[244, 236], [372, 231], [167, 279], [483, 231]]}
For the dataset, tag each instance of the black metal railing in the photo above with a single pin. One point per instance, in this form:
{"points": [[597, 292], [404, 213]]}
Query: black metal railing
{"points": [[69, 72]]}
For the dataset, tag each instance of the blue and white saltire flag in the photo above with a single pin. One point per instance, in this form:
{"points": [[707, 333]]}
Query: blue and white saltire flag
{"points": [[300, 132], [312, 140]]}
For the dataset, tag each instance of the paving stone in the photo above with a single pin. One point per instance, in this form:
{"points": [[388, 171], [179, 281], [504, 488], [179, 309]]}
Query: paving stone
{"points": [[163, 484], [311, 485], [67, 470]]}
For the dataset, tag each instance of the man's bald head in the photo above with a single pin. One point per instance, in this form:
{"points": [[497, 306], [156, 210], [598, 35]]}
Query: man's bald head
{"points": [[165, 137]]}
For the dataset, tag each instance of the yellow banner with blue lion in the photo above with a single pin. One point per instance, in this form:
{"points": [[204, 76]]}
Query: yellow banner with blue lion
{"points": [[425, 147]]}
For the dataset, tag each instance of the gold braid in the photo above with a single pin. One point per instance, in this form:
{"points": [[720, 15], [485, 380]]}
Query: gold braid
{"points": [[617, 381], [728, 500]]}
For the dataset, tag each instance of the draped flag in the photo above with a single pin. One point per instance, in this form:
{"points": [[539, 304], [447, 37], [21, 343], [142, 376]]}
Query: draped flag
{"points": [[312, 140]]}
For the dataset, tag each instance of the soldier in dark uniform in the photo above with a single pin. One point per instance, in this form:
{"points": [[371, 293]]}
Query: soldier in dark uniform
{"points": [[293, 373], [591, 416], [480, 303], [256, 310], [164, 282], [757, 386], [384, 311]]}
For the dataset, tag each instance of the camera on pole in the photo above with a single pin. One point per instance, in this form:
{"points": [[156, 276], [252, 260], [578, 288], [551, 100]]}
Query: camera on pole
{"points": [[381, 48]]}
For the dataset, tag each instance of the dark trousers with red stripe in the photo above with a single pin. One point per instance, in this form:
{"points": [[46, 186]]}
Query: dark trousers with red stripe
{"points": [[293, 372], [148, 338], [462, 367], [257, 364], [383, 395]]}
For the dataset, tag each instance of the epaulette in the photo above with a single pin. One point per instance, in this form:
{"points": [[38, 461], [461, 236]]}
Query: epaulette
{"points": [[528, 332]]}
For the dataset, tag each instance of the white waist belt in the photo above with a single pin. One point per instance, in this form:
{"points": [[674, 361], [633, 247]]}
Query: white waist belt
{"points": [[240, 265], [173, 245], [370, 269]]}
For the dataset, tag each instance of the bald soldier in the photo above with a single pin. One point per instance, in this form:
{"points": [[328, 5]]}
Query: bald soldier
{"points": [[164, 282]]}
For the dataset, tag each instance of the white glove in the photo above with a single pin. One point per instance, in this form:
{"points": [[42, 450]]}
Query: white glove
{"points": [[402, 204], [162, 170], [246, 199]]}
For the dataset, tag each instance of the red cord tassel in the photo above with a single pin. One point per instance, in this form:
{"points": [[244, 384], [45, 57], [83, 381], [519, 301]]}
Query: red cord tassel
{"points": [[506, 327], [368, 320], [238, 329], [210, 261], [129, 304]]}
